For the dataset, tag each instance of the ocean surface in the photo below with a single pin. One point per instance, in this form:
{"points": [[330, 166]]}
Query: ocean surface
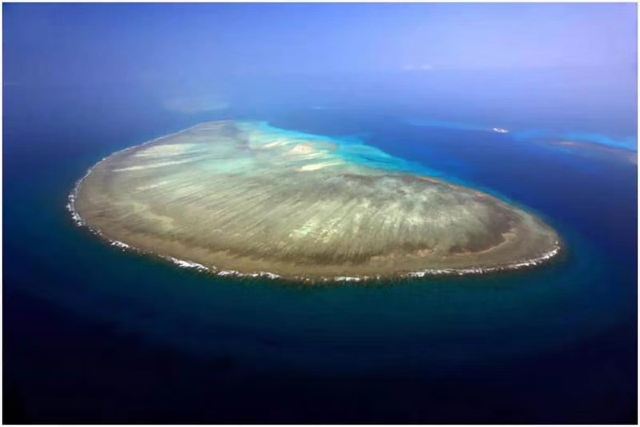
{"points": [[96, 334]]}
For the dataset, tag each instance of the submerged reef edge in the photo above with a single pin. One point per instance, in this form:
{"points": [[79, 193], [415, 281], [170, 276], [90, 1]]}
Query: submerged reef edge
{"points": [[213, 270]]}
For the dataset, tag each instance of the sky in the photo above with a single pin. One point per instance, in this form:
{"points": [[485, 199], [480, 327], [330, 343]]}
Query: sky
{"points": [[568, 55], [122, 41]]}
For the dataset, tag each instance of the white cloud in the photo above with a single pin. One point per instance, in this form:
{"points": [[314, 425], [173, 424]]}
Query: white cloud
{"points": [[418, 67]]}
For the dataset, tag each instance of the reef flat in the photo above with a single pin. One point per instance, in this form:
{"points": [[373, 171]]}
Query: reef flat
{"points": [[246, 198]]}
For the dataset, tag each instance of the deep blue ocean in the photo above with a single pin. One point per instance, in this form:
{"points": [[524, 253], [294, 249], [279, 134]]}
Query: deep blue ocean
{"points": [[94, 334]]}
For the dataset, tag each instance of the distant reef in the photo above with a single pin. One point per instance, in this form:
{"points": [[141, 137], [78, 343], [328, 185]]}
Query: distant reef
{"points": [[245, 198]]}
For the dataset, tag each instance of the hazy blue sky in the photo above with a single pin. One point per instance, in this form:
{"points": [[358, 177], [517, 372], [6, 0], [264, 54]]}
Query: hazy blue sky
{"points": [[60, 42], [559, 62]]}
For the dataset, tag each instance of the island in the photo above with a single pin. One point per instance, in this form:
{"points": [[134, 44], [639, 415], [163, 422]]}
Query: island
{"points": [[247, 198]]}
